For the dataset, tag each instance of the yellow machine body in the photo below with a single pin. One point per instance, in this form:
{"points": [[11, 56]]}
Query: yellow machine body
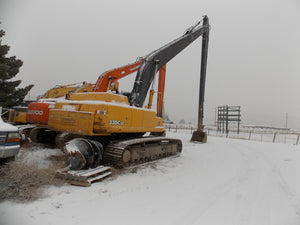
{"points": [[17, 115], [61, 90], [102, 114], [20, 117]]}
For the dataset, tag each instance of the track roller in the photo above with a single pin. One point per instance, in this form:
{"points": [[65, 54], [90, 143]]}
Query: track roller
{"points": [[135, 151], [42, 135]]}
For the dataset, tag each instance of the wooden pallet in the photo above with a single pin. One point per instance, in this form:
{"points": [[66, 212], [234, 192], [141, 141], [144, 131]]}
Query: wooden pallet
{"points": [[84, 177]]}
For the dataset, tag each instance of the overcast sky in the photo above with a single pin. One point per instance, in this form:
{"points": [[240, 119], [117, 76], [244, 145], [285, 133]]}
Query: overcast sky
{"points": [[253, 61]]}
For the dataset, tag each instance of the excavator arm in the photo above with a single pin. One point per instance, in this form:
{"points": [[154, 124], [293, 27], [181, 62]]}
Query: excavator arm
{"points": [[157, 59], [107, 78]]}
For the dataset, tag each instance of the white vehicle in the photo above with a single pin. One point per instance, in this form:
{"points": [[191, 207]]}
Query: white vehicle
{"points": [[9, 141]]}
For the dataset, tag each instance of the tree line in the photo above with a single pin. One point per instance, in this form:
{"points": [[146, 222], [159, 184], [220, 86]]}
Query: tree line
{"points": [[10, 94]]}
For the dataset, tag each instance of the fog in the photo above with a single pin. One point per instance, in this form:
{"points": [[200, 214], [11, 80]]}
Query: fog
{"points": [[253, 58]]}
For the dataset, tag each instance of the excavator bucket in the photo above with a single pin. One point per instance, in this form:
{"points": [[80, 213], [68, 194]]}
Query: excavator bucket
{"points": [[199, 136]]}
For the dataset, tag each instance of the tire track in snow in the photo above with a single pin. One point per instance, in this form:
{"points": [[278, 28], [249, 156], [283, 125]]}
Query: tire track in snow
{"points": [[261, 191], [204, 202], [284, 187], [250, 189]]}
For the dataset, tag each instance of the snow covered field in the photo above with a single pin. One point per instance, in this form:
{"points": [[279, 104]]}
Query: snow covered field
{"points": [[225, 181]]}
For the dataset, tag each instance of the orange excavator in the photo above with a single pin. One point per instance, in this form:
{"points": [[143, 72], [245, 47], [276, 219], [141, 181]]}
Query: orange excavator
{"points": [[108, 79], [35, 113], [38, 112], [106, 128]]}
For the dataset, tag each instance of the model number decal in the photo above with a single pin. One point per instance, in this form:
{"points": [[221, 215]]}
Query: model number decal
{"points": [[116, 122]]}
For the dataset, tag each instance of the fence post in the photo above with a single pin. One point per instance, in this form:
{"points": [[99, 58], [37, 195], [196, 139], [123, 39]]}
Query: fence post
{"points": [[284, 139], [274, 137], [297, 139]]}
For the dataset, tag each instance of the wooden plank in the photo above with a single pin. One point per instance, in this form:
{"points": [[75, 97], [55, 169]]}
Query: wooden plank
{"points": [[101, 176], [79, 183], [91, 172], [84, 178]]}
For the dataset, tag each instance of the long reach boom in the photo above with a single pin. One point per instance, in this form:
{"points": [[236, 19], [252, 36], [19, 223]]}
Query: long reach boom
{"points": [[157, 59]]}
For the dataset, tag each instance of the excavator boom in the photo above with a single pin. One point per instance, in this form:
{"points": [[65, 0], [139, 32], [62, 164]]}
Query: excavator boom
{"points": [[154, 61], [110, 76]]}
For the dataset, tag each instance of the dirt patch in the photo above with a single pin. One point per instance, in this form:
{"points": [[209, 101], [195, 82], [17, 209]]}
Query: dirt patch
{"points": [[22, 182]]}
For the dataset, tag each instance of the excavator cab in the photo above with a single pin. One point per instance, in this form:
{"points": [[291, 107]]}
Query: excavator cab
{"points": [[114, 87]]}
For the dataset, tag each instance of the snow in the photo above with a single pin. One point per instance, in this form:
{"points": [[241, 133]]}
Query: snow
{"points": [[60, 99], [225, 181], [5, 127], [38, 156], [92, 102], [97, 102], [71, 147], [100, 102]]}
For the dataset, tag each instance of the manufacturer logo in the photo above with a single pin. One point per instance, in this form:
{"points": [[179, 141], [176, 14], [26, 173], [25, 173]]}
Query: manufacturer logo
{"points": [[35, 112]]}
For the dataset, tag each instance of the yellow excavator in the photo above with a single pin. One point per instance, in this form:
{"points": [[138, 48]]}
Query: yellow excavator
{"points": [[38, 111], [19, 114], [105, 128], [63, 90]]}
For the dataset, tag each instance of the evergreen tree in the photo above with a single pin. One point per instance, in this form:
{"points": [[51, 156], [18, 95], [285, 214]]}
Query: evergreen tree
{"points": [[10, 95], [167, 118], [182, 121]]}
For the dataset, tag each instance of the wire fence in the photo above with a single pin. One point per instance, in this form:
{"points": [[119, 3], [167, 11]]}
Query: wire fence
{"points": [[262, 135]]}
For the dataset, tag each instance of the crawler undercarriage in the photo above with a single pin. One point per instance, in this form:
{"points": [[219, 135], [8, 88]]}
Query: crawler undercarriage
{"points": [[91, 159]]}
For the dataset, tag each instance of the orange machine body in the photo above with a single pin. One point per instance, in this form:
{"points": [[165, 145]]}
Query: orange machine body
{"points": [[38, 112]]}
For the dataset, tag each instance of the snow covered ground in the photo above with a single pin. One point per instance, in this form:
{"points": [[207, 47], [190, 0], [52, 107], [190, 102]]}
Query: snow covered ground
{"points": [[225, 181]]}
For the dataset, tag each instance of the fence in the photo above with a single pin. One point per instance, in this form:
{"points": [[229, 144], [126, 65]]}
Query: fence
{"points": [[287, 137]]}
